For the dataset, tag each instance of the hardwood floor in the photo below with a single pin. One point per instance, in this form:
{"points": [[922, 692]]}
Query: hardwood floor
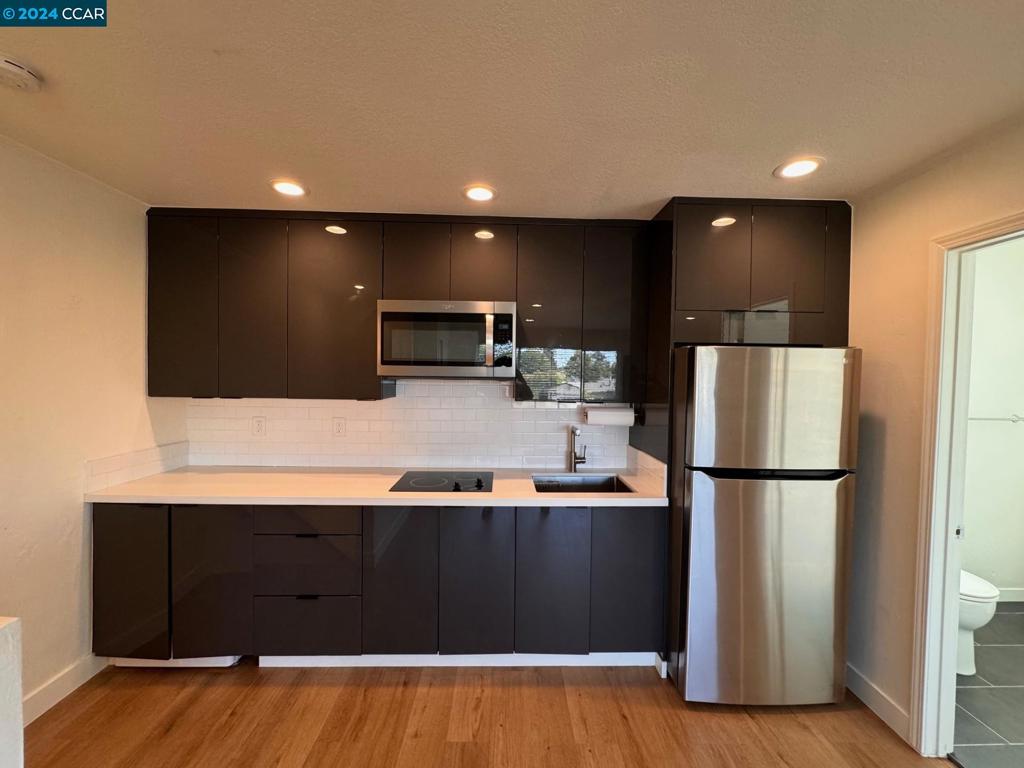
{"points": [[458, 718]]}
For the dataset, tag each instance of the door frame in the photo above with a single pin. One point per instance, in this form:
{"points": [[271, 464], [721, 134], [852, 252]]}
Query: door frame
{"points": [[944, 432]]}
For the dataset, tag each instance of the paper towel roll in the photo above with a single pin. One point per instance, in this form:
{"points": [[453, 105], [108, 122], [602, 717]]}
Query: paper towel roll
{"points": [[611, 417]]}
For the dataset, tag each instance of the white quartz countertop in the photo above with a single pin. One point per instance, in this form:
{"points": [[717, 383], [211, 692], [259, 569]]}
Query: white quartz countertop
{"points": [[370, 487]]}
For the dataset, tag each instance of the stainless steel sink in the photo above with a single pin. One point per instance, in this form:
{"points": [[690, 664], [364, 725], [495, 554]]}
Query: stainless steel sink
{"points": [[580, 484]]}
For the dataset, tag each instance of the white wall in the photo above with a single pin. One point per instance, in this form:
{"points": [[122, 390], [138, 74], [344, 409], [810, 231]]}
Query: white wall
{"points": [[428, 424], [893, 228], [72, 388], [994, 481]]}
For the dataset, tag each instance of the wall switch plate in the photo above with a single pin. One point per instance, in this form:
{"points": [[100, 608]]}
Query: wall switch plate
{"points": [[259, 426], [338, 426]]}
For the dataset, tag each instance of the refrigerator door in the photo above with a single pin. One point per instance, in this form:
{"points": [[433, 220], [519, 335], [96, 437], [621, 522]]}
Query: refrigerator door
{"points": [[766, 619], [774, 408]]}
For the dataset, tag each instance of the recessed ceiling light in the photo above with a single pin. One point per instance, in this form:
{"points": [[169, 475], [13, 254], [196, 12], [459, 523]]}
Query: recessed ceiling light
{"points": [[484, 234], [797, 168], [334, 229], [690, 317], [536, 306], [724, 221], [359, 287], [290, 188], [479, 193], [527, 319]]}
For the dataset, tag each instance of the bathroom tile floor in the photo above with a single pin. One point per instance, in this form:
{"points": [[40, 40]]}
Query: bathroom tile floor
{"points": [[989, 730]]}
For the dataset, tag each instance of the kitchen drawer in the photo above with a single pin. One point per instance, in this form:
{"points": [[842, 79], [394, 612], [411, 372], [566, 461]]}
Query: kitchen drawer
{"points": [[302, 626], [308, 519], [307, 565]]}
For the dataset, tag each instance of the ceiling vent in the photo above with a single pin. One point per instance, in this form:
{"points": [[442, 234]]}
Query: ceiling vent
{"points": [[16, 75]]}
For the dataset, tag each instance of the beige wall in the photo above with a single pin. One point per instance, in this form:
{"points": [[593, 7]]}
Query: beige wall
{"points": [[893, 227], [72, 384]]}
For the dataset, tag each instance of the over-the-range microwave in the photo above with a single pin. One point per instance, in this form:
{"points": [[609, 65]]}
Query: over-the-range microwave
{"points": [[453, 339]]}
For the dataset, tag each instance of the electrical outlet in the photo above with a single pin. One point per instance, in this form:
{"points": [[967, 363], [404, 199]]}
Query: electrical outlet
{"points": [[259, 426], [338, 426]]}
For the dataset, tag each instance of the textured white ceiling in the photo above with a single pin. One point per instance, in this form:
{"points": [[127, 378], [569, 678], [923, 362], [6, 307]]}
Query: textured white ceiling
{"points": [[568, 108]]}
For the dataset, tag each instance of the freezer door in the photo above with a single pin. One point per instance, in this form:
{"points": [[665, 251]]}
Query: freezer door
{"points": [[775, 407], [766, 619]]}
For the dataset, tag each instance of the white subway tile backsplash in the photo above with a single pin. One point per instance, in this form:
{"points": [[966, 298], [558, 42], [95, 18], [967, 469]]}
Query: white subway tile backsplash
{"points": [[428, 424], [125, 467]]}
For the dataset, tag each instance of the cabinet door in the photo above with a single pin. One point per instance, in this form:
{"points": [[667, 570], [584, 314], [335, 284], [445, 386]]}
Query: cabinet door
{"points": [[253, 307], [483, 269], [628, 575], [552, 580], [306, 626], [400, 556], [712, 262], [306, 564], [549, 296], [211, 580], [334, 281], [417, 261], [477, 580], [787, 272], [130, 610], [182, 306], [608, 304]]}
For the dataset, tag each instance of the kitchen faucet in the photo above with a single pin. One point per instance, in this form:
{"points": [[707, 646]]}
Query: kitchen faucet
{"points": [[575, 458]]}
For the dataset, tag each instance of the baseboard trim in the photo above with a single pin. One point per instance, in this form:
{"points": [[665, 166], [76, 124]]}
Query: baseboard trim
{"points": [[60, 685], [641, 659], [879, 702], [1011, 594]]}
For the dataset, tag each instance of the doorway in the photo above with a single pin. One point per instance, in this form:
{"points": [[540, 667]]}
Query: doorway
{"points": [[971, 653]]}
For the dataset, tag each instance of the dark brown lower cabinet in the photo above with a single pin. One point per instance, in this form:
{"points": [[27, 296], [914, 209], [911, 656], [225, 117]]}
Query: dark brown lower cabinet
{"points": [[400, 562], [629, 547], [211, 586], [477, 580], [130, 611], [553, 579], [307, 626]]}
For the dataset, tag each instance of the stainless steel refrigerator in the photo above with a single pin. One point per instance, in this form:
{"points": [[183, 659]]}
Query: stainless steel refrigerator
{"points": [[764, 448]]}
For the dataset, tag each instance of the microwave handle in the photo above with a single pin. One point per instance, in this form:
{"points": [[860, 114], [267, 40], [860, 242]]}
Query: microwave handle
{"points": [[489, 340]]}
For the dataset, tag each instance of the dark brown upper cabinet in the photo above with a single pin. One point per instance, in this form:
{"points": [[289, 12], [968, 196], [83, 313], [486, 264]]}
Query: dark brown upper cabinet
{"points": [[712, 262], [417, 261], [253, 307], [787, 266], [182, 311], [483, 268], [549, 296], [334, 281], [610, 260]]}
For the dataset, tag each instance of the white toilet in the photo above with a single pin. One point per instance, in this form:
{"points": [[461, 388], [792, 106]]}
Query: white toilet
{"points": [[978, 601]]}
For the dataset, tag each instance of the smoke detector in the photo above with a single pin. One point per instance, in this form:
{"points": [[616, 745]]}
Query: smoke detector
{"points": [[17, 75]]}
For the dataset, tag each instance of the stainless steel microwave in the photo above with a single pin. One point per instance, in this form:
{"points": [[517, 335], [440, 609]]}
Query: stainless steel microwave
{"points": [[454, 339]]}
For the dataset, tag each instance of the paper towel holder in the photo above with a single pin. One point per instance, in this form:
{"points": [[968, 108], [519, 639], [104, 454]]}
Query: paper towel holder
{"points": [[612, 417]]}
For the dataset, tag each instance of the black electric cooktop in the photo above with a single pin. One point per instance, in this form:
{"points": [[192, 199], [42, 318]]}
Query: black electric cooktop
{"points": [[445, 482]]}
